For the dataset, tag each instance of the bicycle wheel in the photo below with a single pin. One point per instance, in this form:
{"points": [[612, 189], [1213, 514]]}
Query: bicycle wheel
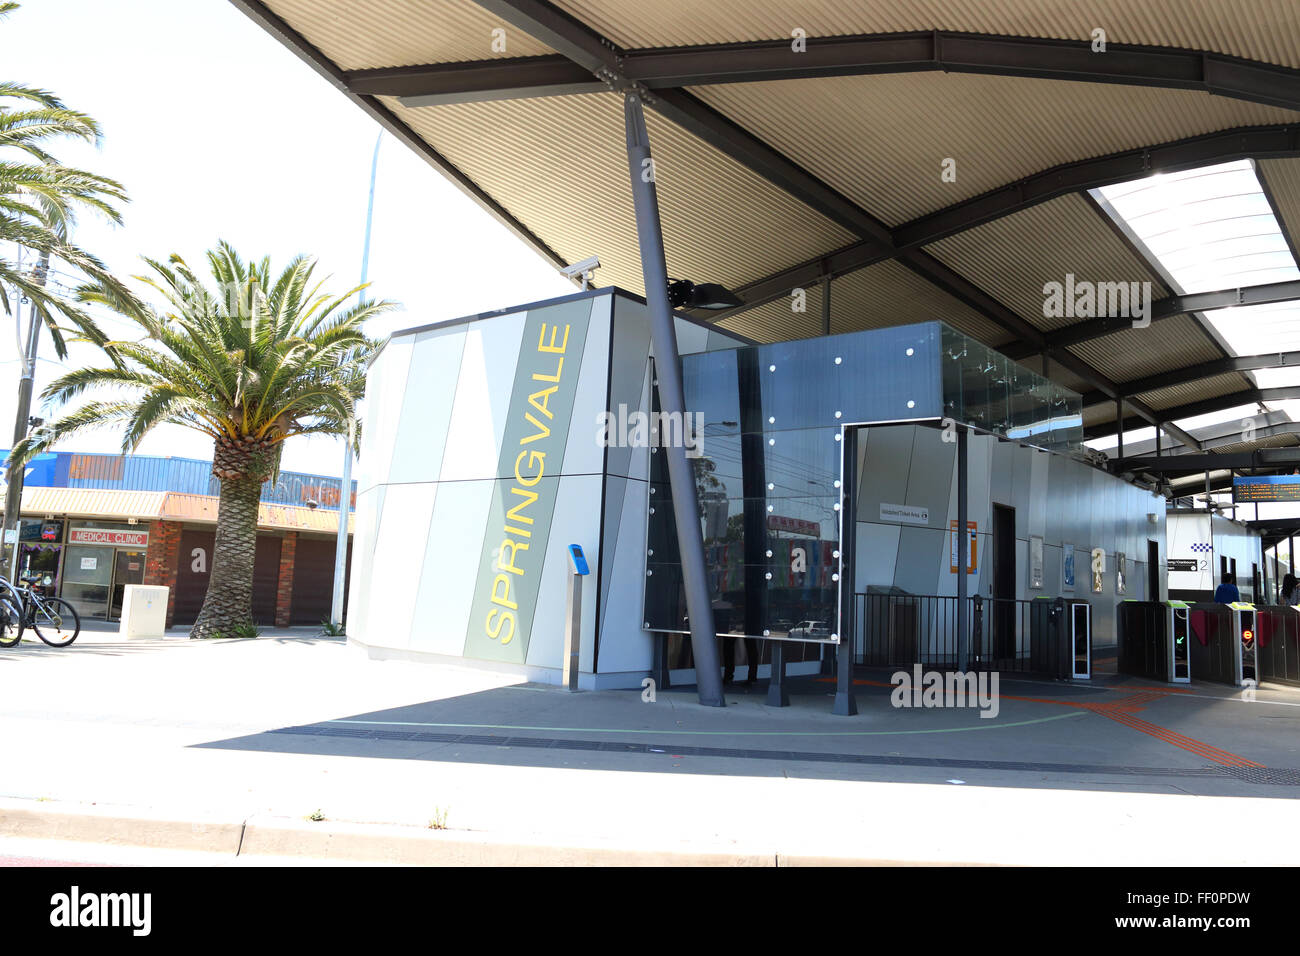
{"points": [[11, 627], [55, 622]]}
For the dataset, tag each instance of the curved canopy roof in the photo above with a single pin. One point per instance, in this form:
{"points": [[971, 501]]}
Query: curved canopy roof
{"points": [[936, 159]]}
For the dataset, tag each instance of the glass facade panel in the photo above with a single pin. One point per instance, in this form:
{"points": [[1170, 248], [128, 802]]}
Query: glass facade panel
{"points": [[767, 477], [985, 389]]}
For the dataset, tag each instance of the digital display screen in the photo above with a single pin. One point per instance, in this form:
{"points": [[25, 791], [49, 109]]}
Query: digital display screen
{"points": [[1266, 488]]}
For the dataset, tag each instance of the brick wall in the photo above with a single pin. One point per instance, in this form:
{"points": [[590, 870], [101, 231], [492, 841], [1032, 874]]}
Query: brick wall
{"points": [[160, 560], [284, 591]]}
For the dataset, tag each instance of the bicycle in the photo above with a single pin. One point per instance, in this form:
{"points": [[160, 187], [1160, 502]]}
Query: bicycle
{"points": [[54, 620]]}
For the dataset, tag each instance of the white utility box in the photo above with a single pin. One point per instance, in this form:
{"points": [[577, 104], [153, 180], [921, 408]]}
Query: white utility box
{"points": [[144, 613]]}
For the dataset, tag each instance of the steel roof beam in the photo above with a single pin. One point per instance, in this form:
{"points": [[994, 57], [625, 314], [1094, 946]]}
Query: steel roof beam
{"points": [[1286, 458], [519, 78], [1241, 143], [1202, 370], [950, 52], [961, 288], [1249, 396], [1165, 308]]}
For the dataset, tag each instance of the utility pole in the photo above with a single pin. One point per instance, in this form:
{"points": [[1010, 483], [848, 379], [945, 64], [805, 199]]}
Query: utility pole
{"points": [[345, 483], [26, 384]]}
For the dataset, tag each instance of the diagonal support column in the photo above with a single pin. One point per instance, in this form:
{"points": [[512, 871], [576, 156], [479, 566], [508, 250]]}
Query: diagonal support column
{"points": [[672, 401]]}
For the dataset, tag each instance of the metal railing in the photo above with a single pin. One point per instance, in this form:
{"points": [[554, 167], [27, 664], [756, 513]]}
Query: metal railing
{"points": [[1003, 634]]}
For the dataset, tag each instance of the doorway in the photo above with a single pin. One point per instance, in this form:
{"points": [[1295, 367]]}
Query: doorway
{"points": [[1153, 570], [128, 568], [1004, 582]]}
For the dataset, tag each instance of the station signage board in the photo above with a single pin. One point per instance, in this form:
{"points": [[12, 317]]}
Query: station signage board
{"points": [[1266, 488]]}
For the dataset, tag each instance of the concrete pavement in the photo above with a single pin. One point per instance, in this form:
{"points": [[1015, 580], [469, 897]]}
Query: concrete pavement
{"points": [[182, 745]]}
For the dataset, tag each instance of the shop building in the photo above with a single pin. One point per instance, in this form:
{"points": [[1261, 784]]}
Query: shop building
{"points": [[92, 524]]}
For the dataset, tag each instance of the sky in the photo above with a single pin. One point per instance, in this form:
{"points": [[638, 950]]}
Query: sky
{"points": [[219, 132]]}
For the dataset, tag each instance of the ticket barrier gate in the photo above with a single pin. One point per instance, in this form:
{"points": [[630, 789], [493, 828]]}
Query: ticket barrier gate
{"points": [[1277, 644], [1224, 644], [1153, 640], [1060, 638]]}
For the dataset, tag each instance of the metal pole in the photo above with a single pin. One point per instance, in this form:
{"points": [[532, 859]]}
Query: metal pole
{"points": [[845, 704], [1119, 427], [572, 631], [826, 306], [672, 401], [345, 483], [963, 546], [26, 385]]}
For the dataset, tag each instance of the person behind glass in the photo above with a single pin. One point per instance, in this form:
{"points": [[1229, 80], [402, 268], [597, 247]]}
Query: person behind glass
{"points": [[729, 660], [1227, 592], [1290, 591]]}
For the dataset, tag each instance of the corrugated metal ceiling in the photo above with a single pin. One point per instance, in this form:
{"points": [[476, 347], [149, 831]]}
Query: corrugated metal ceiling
{"points": [[1014, 257], [560, 166], [1175, 342], [881, 140], [378, 33], [1195, 391], [1267, 30], [1282, 179]]}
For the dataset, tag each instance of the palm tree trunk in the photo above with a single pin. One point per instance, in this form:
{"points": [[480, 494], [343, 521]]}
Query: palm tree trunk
{"points": [[241, 468]]}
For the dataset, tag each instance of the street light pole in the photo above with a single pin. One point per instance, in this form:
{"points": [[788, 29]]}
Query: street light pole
{"points": [[26, 385], [345, 483]]}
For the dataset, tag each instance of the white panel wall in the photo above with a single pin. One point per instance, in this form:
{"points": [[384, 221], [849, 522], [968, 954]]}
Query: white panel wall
{"points": [[575, 522], [436, 359], [478, 416], [385, 388], [398, 559], [446, 585]]}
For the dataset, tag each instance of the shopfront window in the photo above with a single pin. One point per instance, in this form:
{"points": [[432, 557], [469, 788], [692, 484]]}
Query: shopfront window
{"points": [[102, 558], [40, 549]]}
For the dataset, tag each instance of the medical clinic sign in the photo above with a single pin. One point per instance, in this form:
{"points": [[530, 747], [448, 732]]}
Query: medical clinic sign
{"points": [[113, 539]]}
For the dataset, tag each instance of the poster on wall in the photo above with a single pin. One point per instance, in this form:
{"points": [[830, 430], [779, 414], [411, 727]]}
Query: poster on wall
{"points": [[1098, 569], [952, 540], [1035, 561], [1121, 572], [1067, 567]]}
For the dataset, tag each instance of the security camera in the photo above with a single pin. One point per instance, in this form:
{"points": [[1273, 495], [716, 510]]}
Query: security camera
{"points": [[582, 269], [311, 503], [578, 268]]}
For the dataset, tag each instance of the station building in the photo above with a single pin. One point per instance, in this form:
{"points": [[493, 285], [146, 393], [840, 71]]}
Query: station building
{"points": [[93, 523], [1091, 216]]}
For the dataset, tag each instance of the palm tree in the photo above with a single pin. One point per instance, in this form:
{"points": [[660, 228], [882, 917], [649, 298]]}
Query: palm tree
{"points": [[38, 199], [250, 365]]}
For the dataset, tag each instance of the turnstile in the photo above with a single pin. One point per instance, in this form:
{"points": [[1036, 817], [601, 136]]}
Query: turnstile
{"points": [[1153, 640], [1277, 644], [1060, 638], [1224, 641]]}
